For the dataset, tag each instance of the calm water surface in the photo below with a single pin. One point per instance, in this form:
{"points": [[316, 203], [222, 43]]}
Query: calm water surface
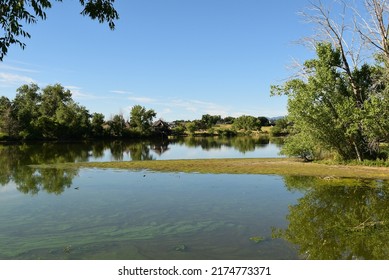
{"points": [[115, 214], [136, 215], [189, 148]]}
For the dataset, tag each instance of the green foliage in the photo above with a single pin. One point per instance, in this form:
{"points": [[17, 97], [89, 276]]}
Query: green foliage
{"points": [[48, 113], [26, 111], [97, 123], [141, 119], [228, 120], [8, 124], [247, 123], [281, 127], [73, 121], [191, 127], [179, 129], [208, 121], [257, 239], [301, 146], [51, 113], [320, 232], [264, 121], [335, 111], [117, 126], [14, 13], [227, 132]]}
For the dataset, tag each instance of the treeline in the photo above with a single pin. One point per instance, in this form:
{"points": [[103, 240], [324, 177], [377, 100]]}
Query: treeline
{"points": [[51, 113], [216, 125]]}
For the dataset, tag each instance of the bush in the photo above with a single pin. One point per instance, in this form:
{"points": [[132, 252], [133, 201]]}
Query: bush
{"points": [[281, 128], [299, 146], [179, 130]]}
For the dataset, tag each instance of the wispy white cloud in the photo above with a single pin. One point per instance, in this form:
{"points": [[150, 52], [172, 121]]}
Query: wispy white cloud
{"points": [[17, 69], [121, 92], [78, 93], [199, 107], [167, 111], [190, 108], [142, 99], [9, 79]]}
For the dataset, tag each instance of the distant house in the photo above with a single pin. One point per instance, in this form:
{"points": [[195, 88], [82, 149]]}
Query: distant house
{"points": [[161, 127]]}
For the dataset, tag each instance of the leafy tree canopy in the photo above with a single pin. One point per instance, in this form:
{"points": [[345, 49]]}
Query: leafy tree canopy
{"points": [[247, 123], [14, 13], [141, 118], [335, 112], [208, 121]]}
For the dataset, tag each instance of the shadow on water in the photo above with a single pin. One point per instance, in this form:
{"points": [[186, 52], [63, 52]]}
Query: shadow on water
{"points": [[338, 219]]}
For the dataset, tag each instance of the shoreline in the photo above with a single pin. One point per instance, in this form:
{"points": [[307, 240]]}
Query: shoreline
{"points": [[266, 166]]}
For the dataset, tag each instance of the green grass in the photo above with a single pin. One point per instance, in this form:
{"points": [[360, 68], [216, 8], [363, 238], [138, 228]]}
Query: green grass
{"points": [[279, 166]]}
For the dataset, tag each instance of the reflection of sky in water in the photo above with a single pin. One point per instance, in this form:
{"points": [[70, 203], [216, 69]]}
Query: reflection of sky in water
{"points": [[8, 190], [184, 152], [181, 151]]}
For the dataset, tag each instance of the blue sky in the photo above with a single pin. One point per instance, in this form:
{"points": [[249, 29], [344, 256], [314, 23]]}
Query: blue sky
{"points": [[182, 58]]}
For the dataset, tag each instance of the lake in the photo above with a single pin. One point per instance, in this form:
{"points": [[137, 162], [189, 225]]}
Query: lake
{"points": [[118, 214]]}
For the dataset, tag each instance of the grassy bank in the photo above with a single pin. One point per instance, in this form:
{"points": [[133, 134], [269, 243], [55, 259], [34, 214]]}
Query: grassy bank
{"points": [[243, 166]]}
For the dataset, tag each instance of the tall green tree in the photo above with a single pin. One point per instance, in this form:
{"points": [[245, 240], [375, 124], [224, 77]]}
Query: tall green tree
{"points": [[141, 119], [97, 122], [15, 13], [264, 121], [8, 122], [336, 112], [325, 109], [73, 121], [117, 125], [55, 112], [339, 101], [208, 120], [47, 113], [26, 110]]}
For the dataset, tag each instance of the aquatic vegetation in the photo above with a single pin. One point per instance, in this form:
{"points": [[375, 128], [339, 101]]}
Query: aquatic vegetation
{"points": [[257, 239], [181, 248], [101, 234], [67, 249]]}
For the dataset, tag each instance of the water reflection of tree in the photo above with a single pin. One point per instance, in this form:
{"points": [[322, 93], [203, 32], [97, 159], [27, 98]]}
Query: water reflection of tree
{"points": [[117, 149], [247, 144], [18, 161], [339, 219], [52, 180], [140, 151], [242, 144], [278, 141], [15, 161]]}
